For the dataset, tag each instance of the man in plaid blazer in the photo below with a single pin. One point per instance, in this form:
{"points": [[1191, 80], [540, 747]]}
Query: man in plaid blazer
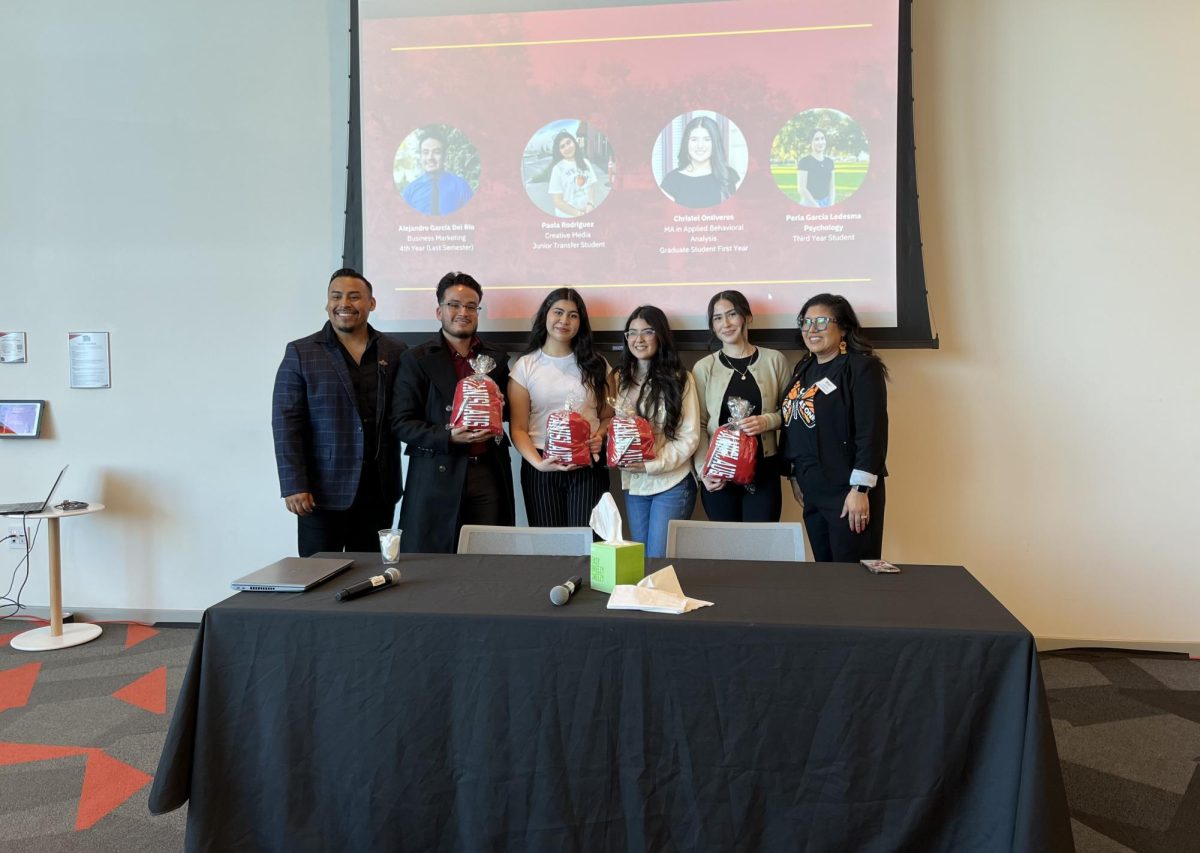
{"points": [[339, 471]]}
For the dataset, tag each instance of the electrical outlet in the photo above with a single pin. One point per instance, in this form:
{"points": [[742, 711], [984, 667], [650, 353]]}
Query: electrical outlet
{"points": [[17, 538]]}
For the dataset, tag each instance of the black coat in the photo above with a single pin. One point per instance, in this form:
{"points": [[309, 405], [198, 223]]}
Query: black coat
{"points": [[851, 430], [437, 469]]}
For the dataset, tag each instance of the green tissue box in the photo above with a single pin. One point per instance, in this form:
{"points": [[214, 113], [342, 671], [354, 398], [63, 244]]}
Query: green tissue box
{"points": [[617, 563]]}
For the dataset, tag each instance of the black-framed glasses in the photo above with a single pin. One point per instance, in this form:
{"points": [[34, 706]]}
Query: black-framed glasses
{"points": [[820, 324], [634, 334], [469, 307]]}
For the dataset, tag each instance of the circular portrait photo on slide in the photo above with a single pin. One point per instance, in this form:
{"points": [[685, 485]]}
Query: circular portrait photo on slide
{"points": [[436, 169], [700, 159], [568, 168], [820, 158]]}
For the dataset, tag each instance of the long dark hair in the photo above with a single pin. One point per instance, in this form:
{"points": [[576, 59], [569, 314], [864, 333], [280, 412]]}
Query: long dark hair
{"points": [[591, 365], [666, 378], [740, 304], [580, 160], [726, 177], [847, 320]]}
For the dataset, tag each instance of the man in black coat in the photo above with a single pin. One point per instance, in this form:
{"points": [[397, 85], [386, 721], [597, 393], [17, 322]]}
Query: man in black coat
{"points": [[458, 476], [338, 469]]}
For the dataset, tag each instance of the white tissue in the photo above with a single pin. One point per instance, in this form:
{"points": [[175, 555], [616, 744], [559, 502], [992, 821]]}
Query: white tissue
{"points": [[606, 519], [389, 546], [656, 593]]}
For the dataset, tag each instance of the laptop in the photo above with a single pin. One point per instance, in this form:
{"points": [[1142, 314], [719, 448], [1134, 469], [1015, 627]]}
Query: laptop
{"points": [[35, 506], [292, 574]]}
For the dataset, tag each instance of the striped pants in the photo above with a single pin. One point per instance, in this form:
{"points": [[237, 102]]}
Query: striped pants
{"points": [[562, 498]]}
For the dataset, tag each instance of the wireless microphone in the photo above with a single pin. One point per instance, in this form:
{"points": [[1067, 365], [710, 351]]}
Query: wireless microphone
{"points": [[388, 578], [562, 594]]}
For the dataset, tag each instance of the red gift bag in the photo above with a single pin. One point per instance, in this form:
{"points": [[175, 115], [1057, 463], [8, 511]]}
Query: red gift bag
{"points": [[732, 455], [630, 440], [478, 403], [568, 436]]}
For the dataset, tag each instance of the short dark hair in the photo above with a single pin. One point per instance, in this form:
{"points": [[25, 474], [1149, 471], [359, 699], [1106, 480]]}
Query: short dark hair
{"points": [[433, 132], [347, 272], [450, 279]]}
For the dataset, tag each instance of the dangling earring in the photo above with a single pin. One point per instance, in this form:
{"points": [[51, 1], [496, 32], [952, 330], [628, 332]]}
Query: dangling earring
{"points": [[842, 346]]}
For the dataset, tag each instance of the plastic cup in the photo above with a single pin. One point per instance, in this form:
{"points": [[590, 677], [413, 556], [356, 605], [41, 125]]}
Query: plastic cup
{"points": [[389, 545]]}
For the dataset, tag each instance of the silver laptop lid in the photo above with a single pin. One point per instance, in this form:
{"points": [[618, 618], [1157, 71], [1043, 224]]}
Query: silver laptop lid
{"points": [[31, 507], [292, 574]]}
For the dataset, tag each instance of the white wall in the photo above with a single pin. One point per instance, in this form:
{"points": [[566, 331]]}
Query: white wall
{"points": [[1051, 445], [173, 175]]}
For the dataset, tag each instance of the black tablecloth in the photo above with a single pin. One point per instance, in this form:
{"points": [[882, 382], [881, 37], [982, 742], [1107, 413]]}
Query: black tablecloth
{"points": [[814, 707]]}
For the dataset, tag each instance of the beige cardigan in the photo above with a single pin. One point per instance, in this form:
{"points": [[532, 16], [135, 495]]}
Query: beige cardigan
{"points": [[772, 373]]}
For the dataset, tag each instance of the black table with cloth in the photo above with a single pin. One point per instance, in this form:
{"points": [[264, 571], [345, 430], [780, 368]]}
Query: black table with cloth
{"points": [[814, 707]]}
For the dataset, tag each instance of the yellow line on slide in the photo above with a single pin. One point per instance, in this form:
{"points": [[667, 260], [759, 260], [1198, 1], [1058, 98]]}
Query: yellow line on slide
{"points": [[492, 287], [601, 39]]}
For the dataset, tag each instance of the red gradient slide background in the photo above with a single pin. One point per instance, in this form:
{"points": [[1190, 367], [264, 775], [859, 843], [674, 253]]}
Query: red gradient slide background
{"points": [[629, 90]]}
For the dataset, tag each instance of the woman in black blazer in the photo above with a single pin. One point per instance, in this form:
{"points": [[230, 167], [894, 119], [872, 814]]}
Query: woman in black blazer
{"points": [[835, 433]]}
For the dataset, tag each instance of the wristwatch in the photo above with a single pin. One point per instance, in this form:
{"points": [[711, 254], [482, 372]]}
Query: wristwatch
{"points": [[862, 490]]}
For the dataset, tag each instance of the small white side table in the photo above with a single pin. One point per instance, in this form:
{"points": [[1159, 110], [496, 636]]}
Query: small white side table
{"points": [[56, 635]]}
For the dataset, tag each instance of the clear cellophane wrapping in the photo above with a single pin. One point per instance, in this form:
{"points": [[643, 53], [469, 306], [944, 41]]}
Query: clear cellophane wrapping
{"points": [[630, 437], [568, 435], [478, 403]]}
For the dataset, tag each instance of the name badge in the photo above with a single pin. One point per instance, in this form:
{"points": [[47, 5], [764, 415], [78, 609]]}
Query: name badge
{"points": [[826, 386]]}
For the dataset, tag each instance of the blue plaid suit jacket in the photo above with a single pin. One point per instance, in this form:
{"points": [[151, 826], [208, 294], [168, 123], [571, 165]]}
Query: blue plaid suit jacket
{"points": [[315, 422]]}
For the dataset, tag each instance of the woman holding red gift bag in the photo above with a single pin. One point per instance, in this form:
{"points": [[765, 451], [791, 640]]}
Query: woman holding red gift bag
{"points": [[757, 375], [652, 383], [558, 414]]}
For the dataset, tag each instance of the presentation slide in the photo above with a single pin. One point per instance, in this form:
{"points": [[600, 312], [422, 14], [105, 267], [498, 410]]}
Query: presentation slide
{"points": [[642, 154]]}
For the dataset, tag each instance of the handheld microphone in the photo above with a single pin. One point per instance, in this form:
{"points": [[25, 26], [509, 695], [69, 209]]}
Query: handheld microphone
{"points": [[562, 594], [388, 578]]}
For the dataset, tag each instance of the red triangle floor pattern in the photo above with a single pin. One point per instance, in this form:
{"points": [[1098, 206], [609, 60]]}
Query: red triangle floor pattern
{"points": [[16, 685], [148, 692], [136, 633], [107, 782]]}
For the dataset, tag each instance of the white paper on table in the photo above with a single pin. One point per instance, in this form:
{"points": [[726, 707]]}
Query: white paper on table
{"points": [[656, 593]]}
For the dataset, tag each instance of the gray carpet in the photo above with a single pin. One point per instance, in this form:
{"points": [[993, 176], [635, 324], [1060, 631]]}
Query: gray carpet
{"points": [[1128, 732], [81, 731]]}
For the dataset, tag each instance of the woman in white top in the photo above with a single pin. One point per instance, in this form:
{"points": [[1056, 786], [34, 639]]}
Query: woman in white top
{"points": [[560, 364], [757, 374], [573, 181], [652, 382]]}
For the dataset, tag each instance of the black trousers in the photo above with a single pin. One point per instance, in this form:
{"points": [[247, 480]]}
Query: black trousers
{"points": [[562, 498], [830, 537], [737, 503], [483, 500], [353, 529]]}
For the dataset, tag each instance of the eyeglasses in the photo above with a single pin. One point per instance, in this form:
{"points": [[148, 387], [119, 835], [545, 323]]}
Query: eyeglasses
{"points": [[634, 334], [820, 324], [469, 307]]}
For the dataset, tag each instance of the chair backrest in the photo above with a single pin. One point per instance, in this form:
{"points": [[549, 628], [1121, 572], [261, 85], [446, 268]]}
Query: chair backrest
{"points": [[781, 541], [552, 541]]}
